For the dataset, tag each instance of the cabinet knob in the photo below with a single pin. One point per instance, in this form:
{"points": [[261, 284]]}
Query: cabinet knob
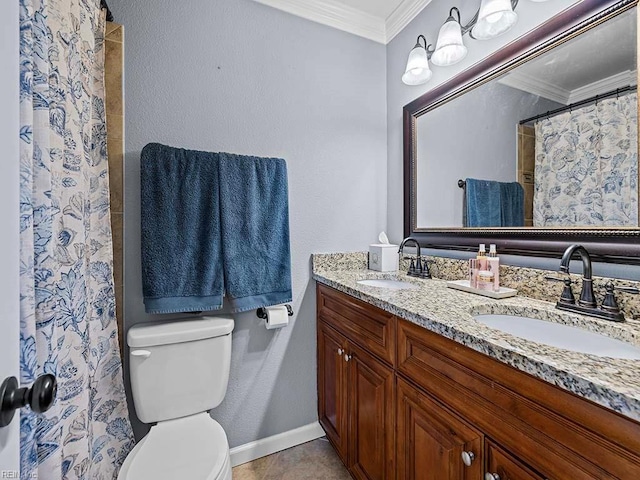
{"points": [[340, 351], [468, 458], [347, 358], [491, 476]]}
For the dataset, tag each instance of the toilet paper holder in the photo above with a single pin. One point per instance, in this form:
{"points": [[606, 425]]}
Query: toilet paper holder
{"points": [[262, 313]]}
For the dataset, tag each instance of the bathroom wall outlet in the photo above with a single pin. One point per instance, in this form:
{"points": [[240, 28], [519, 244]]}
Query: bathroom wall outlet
{"points": [[383, 257]]}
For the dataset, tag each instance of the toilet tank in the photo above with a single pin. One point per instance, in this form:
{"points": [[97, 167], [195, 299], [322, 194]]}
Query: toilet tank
{"points": [[180, 367]]}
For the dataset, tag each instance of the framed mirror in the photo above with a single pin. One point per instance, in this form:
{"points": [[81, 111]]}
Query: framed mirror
{"points": [[535, 147]]}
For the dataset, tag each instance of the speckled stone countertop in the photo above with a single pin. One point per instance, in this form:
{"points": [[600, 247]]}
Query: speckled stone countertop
{"points": [[613, 383]]}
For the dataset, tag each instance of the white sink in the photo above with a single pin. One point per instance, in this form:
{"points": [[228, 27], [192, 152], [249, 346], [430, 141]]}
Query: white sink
{"points": [[561, 336], [388, 284]]}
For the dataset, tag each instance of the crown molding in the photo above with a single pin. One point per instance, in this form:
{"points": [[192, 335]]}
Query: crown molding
{"points": [[402, 16], [619, 80], [536, 86], [334, 14], [348, 19]]}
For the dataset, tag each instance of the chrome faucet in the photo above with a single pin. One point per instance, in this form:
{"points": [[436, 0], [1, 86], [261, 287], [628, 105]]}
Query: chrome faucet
{"points": [[586, 304], [417, 268]]}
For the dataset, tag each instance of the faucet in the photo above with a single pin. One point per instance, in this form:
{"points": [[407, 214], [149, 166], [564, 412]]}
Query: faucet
{"points": [[586, 296], [587, 305], [417, 269]]}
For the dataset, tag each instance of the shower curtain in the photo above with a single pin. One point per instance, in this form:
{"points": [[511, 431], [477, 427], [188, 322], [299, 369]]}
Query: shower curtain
{"points": [[67, 306], [586, 167]]}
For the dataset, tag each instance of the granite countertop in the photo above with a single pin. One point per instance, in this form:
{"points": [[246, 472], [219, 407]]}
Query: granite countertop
{"points": [[611, 382]]}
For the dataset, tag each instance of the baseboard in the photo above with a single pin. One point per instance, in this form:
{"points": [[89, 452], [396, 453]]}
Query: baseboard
{"points": [[266, 446]]}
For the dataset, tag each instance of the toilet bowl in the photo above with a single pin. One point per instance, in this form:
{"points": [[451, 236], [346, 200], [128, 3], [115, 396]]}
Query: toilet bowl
{"points": [[194, 447], [179, 371]]}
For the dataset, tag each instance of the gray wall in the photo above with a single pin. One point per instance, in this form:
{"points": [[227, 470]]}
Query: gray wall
{"points": [[487, 119], [237, 76], [428, 23]]}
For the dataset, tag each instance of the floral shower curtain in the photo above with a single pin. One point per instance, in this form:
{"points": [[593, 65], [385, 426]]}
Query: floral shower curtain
{"points": [[68, 325], [586, 167]]}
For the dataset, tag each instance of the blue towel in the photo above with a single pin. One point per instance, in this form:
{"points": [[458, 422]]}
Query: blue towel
{"points": [[512, 204], [181, 247], [483, 203], [255, 231]]}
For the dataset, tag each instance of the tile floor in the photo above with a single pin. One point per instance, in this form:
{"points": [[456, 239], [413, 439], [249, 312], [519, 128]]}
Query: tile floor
{"points": [[314, 460]]}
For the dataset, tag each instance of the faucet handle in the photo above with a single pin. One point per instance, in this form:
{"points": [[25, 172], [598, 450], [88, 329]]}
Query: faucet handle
{"points": [[609, 302], [425, 273], [567, 293], [632, 290]]}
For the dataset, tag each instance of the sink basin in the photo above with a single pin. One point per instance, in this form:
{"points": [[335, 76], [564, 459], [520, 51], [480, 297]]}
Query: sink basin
{"points": [[561, 336], [388, 284]]}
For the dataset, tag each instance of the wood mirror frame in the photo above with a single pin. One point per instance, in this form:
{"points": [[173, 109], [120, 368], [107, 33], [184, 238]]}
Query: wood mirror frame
{"points": [[617, 245]]}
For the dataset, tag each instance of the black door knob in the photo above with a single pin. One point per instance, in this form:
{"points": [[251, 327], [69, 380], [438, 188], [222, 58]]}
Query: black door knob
{"points": [[39, 397]]}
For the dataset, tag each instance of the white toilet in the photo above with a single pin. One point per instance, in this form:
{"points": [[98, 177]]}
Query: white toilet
{"points": [[179, 371]]}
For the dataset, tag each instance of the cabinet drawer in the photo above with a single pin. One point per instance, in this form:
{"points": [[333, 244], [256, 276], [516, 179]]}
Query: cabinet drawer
{"points": [[550, 429], [367, 326], [505, 466]]}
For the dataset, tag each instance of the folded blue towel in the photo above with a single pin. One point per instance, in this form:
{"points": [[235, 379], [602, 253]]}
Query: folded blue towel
{"points": [[254, 212], [181, 246], [511, 204], [483, 203]]}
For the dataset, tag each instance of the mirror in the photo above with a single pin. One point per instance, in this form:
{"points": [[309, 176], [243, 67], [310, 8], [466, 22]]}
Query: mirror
{"points": [[543, 144]]}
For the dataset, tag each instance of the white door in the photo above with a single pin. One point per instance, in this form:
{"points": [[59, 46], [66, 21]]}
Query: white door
{"points": [[9, 227]]}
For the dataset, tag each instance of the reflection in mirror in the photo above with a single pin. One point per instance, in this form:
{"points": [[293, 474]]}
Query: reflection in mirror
{"points": [[551, 143]]}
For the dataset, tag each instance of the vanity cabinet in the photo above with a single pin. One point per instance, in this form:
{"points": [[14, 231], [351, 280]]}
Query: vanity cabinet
{"points": [[356, 401], [407, 403]]}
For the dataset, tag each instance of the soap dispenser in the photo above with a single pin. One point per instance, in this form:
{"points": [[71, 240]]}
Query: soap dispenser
{"points": [[493, 265]]}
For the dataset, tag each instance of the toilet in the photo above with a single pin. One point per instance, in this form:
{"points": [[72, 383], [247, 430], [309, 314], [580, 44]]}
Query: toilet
{"points": [[179, 371]]}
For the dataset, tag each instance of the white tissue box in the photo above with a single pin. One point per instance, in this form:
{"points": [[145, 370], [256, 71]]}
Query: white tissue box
{"points": [[383, 257]]}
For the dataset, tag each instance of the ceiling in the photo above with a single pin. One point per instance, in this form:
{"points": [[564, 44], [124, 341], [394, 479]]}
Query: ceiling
{"points": [[593, 63], [377, 20]]}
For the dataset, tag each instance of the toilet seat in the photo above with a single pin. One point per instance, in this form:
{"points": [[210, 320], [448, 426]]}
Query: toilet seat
{"points": [[193, 447]]}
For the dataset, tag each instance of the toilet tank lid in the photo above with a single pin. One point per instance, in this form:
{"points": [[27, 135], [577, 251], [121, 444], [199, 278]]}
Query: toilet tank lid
{"points": [[178, 331]]}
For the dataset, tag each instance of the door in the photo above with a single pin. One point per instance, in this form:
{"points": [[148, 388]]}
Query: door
{"points": [[9, 215], [332, 393], [370, 386], [433, 443]]}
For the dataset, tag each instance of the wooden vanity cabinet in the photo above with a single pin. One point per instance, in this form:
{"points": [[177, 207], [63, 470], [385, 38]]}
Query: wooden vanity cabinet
{"points": [[412, 404], [533, 425], [356, 399]]}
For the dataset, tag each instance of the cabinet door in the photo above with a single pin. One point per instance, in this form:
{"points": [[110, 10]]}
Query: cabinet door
{"points": [[332, 394], [431, 440], [503, 466], [371, 416]]}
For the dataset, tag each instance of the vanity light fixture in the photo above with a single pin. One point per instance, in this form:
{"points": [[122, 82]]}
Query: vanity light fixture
{"points": [[494, 18], [449, 47], [418, 71]]}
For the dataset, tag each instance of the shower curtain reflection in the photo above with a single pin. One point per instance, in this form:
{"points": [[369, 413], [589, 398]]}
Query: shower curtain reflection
{"points": [[586, 166]]}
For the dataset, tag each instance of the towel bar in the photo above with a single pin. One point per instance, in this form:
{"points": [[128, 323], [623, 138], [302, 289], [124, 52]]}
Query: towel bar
{"points": [[261, 312]]}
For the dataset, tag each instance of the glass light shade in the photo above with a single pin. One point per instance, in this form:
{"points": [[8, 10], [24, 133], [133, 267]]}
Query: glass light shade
{"points": [[417, 71], [495, 18], [418, 78], [449, 47]]}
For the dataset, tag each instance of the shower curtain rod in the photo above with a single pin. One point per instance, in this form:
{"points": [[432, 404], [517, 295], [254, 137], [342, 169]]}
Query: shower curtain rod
{"points": [[581, 103]]}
